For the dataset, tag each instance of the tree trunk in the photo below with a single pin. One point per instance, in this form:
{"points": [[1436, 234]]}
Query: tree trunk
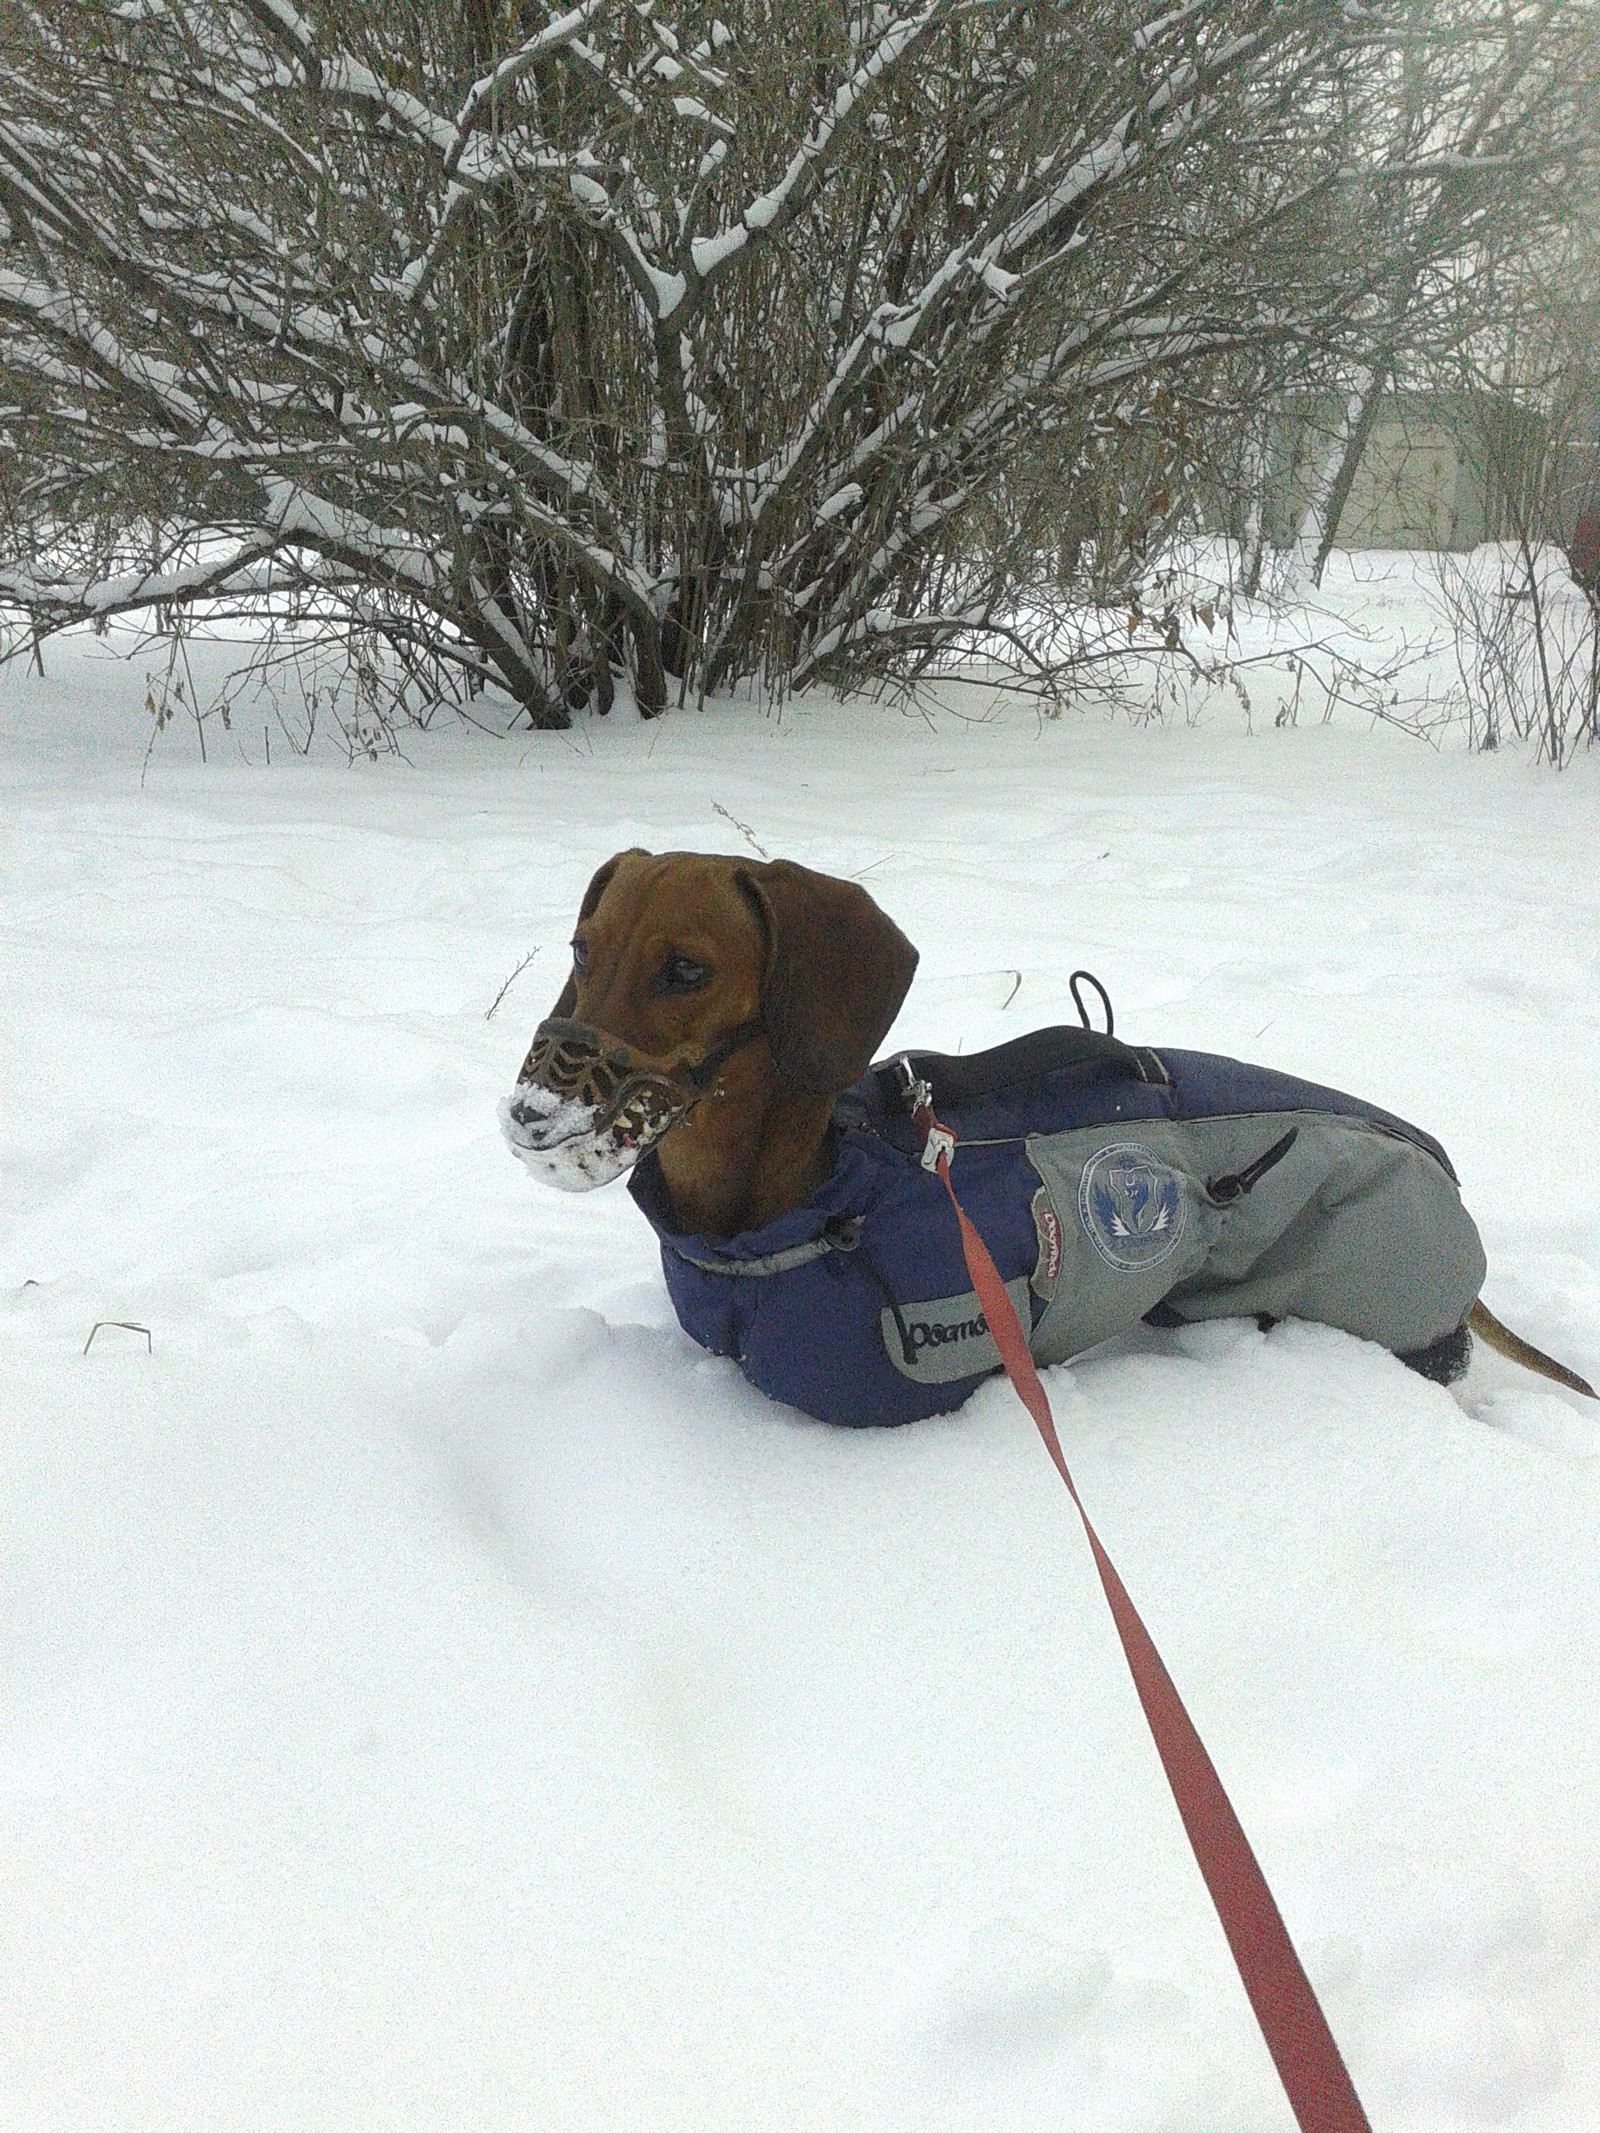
{"points": [[1330, 493]]}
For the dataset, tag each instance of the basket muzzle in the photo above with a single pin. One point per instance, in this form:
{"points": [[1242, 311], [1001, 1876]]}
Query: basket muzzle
{"points": [[586, 1106]]}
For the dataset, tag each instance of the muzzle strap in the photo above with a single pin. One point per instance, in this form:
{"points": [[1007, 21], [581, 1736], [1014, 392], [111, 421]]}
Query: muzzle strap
{"points": [[701, 1076]]}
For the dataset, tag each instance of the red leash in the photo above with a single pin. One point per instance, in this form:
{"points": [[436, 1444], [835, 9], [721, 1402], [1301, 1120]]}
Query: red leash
{"points": [[1293, 2024]]}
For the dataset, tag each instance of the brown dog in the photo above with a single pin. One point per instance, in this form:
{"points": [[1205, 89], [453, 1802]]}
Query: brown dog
{"points": [[715, 1010]]}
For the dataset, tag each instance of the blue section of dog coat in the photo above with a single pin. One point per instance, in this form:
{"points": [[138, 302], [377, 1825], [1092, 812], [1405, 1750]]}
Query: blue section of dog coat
{"points": [[1101, 1198]]}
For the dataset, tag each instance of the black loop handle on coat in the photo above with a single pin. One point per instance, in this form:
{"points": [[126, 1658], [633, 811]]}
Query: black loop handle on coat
{"points": [[1022, 1063], [1088, 976]]}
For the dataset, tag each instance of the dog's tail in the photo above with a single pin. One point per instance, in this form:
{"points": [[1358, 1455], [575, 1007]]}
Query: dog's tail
{"points": [[1504, 1342]]}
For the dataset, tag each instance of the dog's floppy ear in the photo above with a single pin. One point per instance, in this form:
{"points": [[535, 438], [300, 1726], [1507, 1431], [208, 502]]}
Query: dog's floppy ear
{"points": [[591, 899], [837, 970]]}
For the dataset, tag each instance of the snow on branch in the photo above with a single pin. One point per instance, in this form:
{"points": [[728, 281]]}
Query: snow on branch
{"points": [[60, 600], [483, 98], [780, 204]]}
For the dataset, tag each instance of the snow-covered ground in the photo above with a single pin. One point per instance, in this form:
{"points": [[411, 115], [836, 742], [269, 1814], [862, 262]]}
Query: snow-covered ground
{"points": [[436, 1695]]}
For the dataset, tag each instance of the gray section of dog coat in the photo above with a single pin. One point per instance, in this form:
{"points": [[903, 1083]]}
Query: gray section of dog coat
{"points": [[949, 1336], [1351, 1227]]}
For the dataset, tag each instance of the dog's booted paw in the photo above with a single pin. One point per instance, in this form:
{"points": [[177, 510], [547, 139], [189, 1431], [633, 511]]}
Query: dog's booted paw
{"points": [[1445, 1361]]}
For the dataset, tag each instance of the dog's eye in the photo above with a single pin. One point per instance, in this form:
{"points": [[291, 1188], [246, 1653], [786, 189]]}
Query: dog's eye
{"points": [[681, 973], [580, 957]]}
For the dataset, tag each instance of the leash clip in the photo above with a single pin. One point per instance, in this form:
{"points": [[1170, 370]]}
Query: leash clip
{"points": [[914, 1093], [917, 1097]]}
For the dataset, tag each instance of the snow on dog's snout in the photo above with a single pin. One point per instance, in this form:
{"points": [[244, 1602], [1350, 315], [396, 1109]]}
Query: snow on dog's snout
{"points": [[556, 1137]]}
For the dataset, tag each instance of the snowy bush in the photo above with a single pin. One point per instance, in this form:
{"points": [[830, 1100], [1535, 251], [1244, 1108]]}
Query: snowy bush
{"points": [[699, 343], [1527, 646]]}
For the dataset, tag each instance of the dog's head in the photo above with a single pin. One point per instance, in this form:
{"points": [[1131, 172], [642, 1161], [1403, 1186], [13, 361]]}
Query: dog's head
{"points": [[681, 960]]}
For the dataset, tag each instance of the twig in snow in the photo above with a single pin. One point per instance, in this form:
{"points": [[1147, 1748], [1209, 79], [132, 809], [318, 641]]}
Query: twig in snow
{"points": [[745, 831], [127, 1325], [1016, 987], [144, 767], [506, 987]]}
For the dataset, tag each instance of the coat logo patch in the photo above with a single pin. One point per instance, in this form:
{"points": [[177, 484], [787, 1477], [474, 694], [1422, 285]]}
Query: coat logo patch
{"points": [[1132, 1207]]}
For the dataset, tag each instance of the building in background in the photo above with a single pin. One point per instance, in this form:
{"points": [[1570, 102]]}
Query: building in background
{"points": [[1439, 470]]}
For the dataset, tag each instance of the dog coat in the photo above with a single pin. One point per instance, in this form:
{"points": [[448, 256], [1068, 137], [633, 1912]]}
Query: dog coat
{"points": [[1111, 1185]]}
